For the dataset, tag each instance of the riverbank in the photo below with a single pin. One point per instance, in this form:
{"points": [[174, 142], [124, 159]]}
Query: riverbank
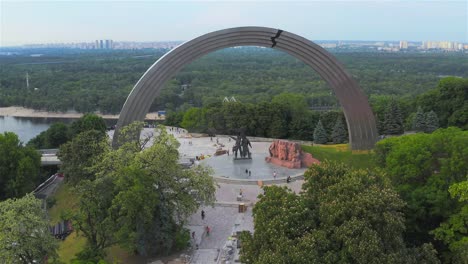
{"points": [[17, 111]]}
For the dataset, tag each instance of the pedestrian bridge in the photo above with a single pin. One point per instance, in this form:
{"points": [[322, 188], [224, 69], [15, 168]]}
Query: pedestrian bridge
{"points": [[49, 157]]}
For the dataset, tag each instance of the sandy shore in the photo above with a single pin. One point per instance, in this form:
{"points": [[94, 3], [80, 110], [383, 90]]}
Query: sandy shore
{"points": [[16, 111]]}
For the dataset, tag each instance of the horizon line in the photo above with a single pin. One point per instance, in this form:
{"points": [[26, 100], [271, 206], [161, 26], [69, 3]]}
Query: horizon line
{"points": [[182, 41]]}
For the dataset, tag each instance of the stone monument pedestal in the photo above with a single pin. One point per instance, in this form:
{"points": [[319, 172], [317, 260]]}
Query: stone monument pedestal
{"points": [[290, 155]]}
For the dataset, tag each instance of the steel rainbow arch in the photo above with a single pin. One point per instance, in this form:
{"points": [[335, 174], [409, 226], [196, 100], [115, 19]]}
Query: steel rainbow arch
{"points": [[359, 117]]}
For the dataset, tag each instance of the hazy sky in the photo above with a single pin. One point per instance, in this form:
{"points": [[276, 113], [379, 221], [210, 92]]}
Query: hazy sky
{"points": [[24, 22]]}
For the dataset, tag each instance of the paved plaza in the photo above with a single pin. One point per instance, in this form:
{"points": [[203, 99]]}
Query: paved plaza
{"points": [[223, 218]]}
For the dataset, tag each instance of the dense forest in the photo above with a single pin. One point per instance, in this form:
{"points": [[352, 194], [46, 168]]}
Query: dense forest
{"points": [[288, 115], [88, 81]]}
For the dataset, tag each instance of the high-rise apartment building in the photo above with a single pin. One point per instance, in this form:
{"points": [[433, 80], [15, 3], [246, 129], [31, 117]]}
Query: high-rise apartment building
{"points": [[104, 44], [403, 44], [109, 44]]}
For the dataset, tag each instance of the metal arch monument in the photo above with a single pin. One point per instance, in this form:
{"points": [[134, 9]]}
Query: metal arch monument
{"points": [[359, 117]]}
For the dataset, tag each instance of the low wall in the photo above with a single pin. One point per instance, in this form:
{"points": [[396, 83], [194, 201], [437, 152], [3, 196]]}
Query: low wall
{"points": [[227, 180]]}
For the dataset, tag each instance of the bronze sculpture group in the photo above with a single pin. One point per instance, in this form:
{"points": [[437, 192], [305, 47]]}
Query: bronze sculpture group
{"points": [[242, 146]]}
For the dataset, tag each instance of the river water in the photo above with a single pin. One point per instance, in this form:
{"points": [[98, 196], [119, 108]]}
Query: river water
{"points": [[27, 128]]}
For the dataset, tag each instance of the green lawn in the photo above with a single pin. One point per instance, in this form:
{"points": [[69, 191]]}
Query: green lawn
{"points": [[341, 153], [74, 243], [65, 200]]}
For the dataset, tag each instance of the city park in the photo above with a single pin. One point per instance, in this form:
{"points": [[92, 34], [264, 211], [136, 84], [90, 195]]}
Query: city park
{"points": [[223, 205], [360, 120]]}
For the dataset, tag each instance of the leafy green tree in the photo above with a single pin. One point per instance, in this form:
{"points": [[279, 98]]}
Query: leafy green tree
{"points": [[449, 100], [174, 118], [278, 127], [140, 199], [261, 120], [328, 119], [24, 232], [56, 135], [454, 232], [38, 141], [296, 102], [393, 122], [302, 126], [339, 134], [320, 135], [94, 218], [194, 120], [88, 122], [419, 121], [236, 116], [80, 154], [341, 216], [422, 167], [171, 194], [19, 167], [431, 122]]}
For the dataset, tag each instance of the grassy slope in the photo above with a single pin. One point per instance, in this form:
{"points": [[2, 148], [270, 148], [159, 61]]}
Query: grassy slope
{"points": [[341, 153], [66, 200], [74, 243]]}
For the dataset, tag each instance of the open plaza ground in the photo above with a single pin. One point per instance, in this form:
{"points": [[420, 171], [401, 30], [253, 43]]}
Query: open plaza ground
{"points": [[224, 218]]}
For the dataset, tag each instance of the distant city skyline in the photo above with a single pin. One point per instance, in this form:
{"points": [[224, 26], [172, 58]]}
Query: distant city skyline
{"points": [[67, 22]]}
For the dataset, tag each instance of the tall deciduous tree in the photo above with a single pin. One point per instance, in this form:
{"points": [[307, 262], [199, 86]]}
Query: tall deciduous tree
{"points": [[454, 231], [141, 198], [152, 225], [80, 154], [56, 135], [342, 216], [449, 100], [320, 134], [24, 232], [94, 218], [422, 167], [19, 167], [88, 122]]}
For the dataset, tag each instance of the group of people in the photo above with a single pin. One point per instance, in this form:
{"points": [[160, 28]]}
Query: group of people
{"points": [[177, 129], [207, 228]]}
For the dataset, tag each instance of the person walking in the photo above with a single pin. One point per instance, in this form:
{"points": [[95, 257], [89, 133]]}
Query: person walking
{"points": [[202, 215], [250, 173], [193, 235], [208, 229]]}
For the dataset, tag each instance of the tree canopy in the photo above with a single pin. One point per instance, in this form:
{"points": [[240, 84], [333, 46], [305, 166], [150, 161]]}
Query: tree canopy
{"points": [[80, 154], [422, 168], [88, 81], [19, 167], [140, 199], [24, 232], [341, 216]]}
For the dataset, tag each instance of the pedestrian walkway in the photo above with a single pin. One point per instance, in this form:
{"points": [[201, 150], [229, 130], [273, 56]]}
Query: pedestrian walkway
{"points": [[223, 218]]}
